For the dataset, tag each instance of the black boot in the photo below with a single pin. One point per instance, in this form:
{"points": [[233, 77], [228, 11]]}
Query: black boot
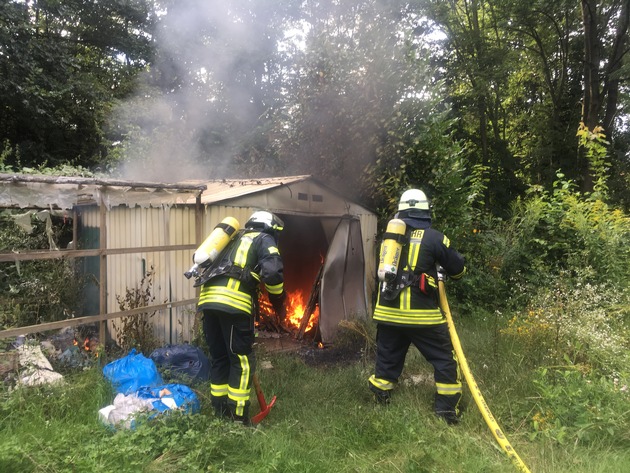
{"points": [[221, 409], [450, 417], [240, 419], [381, 397]]}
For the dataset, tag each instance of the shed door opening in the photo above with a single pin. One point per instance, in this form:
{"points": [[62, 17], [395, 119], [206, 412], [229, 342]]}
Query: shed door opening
{"points": [[323, 257]]}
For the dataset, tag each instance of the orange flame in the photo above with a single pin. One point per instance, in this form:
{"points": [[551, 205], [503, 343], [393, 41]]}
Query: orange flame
{"points": [[295, 305], [296, 308]]}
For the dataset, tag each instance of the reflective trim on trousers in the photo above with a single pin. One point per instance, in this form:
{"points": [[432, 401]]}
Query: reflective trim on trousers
{"points": [[381, 383], [218, 390], [448, 389]]}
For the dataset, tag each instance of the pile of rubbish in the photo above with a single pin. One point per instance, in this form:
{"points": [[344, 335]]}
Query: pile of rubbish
{"points": [[138, 381], [140, 388], [26, 362]]}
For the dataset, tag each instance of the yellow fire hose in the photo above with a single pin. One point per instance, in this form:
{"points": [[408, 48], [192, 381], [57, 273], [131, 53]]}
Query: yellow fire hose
{"points": [[474, 388]]}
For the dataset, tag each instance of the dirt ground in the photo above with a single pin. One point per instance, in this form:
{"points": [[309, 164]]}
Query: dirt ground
{"points": [[348, 350]]}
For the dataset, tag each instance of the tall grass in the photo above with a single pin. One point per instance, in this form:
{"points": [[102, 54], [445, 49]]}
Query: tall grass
{"points": [[324, 420]]}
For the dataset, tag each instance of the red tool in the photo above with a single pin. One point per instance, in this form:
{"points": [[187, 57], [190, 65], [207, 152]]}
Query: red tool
{"points": [[264, 407]]}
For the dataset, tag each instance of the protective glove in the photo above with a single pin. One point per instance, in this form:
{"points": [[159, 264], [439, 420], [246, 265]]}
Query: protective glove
{"points": [[281, 312], [277, 302]]}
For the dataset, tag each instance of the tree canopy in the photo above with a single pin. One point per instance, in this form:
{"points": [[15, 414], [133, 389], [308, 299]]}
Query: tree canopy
{"points": [[482, 99]]}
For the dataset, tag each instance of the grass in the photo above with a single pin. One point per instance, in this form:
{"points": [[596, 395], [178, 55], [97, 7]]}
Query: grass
{"points": [[324, 420]]}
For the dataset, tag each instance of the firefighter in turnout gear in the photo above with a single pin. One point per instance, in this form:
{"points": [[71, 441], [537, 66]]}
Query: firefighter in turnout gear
{"points": [[229, 302], [407, 310]]}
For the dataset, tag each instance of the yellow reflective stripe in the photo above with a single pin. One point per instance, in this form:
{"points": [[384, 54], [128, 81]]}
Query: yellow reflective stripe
{"points": [[218, 390], [226, 292], [240, 395], [273, 250], [457, 276], [244, 372], [234, 284], [405, 299], [226, 296], [414, 317], [240, 259], [275, 289], [381, 383], [446, 241], [449, 389], [414, 247]]}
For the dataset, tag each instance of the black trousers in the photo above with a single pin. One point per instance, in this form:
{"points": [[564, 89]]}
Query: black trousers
{"points": [[434, 343], [230, 339]]}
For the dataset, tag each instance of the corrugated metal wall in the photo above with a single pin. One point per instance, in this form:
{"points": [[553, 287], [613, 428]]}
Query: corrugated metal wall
{"points": [[147, 227], [369, 227]]}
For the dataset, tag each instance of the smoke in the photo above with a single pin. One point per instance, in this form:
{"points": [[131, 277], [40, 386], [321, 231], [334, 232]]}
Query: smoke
{"points": [[196, 101], [324, 83]]}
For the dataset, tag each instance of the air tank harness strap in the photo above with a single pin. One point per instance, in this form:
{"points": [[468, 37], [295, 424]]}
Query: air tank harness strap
{"points": [[229, 229], [425, 282], [402, 239]]}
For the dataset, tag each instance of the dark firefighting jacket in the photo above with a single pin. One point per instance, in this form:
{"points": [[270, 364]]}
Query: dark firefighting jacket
{"points": [[252, 259], [417, 303]]}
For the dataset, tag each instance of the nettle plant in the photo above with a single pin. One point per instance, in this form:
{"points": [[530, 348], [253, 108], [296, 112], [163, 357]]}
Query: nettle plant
{"points": [[577, 321], [137, 331], [576, 336]]}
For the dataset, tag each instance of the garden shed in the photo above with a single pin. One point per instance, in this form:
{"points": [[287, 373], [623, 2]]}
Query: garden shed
{"points": [[125, 233]]}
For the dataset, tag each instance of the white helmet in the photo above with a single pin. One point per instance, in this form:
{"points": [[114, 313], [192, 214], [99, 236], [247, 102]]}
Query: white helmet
{"points": [[413, 199], [263, 220]]}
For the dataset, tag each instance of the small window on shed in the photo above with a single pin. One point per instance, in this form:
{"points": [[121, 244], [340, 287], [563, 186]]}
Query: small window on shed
{"points": [[302, 196], [318, 198]]}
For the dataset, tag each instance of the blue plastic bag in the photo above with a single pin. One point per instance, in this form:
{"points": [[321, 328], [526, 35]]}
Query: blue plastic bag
{"points": [[131, 372], [184, 362], [179, 395]]}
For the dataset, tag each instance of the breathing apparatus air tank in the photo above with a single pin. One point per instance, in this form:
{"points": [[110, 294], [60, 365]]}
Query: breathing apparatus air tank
{"points": [[218, 239], [391, 250]]}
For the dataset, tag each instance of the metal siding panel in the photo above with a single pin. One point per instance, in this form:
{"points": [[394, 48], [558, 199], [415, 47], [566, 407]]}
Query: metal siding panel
{"points": [[370, 250], [139, 227]]}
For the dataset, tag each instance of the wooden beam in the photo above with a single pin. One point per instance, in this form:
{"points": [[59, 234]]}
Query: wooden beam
{"points": [[31, 255], [90, 319], [86, 181]]}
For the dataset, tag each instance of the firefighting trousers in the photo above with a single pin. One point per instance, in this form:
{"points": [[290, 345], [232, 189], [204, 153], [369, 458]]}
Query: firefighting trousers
{"points": [[434, 343], [232, 360]]}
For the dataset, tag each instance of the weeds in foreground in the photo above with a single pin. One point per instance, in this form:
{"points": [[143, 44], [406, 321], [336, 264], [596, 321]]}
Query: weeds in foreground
{"points": [[325, 420]]}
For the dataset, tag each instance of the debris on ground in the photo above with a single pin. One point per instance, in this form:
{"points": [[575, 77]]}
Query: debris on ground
{"points": [[140, 389], [35, 367], [184, 362]]}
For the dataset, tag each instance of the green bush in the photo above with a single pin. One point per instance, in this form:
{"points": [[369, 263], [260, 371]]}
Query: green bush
{"points": [[581, 408], [36, 291], [565, 231]]}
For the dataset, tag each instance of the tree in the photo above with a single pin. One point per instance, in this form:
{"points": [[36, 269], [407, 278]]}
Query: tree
{"points": [[61, 66], [519, 79], [605, 24]]}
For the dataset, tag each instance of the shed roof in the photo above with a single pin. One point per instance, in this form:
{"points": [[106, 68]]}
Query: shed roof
{"points": [[35, 191], [225, 189], [303, 195]]}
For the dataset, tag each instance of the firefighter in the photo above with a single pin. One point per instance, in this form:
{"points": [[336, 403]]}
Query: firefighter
{"points": [[229, 303], [407, 310]]}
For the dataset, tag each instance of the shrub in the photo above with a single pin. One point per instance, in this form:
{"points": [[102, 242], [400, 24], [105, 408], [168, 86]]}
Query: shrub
{"points": [[581, 408], [575, 319], [137, 331], [565, 231], [38, 291]]}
